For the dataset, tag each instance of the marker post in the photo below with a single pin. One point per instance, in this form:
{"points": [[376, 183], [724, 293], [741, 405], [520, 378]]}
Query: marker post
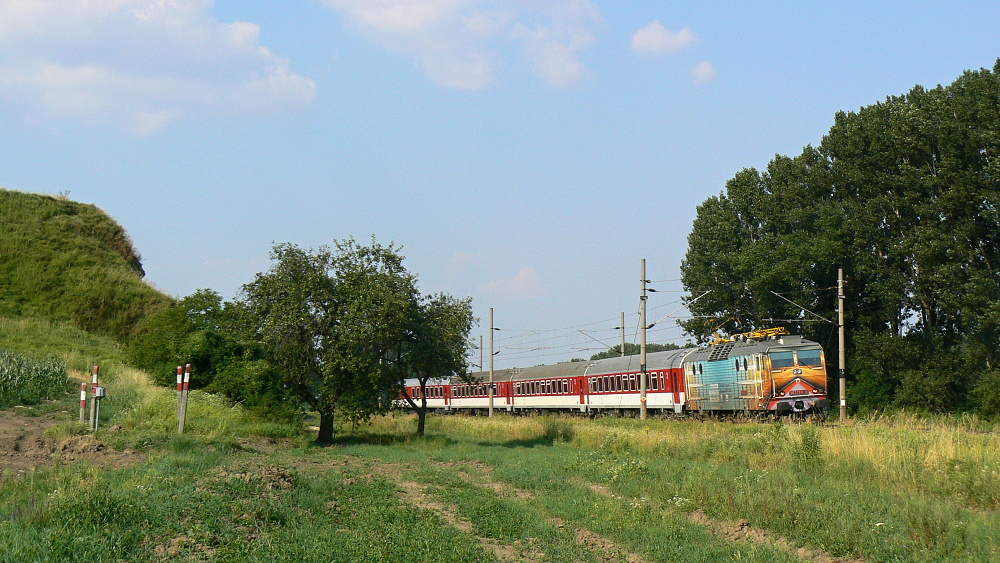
{"points": [[93, 399], [180, 398], [83, 402], [183, 398]]}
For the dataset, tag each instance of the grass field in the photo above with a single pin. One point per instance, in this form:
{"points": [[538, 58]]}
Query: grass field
{"points": [[897, 488]]}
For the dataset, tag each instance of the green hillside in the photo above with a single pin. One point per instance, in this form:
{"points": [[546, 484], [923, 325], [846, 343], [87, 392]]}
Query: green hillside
{"points": [[66, 261]]}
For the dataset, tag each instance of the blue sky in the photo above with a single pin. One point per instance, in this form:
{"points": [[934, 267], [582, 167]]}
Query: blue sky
{"points": [[525, 153]]}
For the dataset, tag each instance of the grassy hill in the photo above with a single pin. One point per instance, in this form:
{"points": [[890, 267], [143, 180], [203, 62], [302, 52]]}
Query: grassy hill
{"points": [[65, 261]]}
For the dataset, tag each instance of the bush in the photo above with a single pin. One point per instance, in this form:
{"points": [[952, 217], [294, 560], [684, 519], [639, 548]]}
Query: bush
{"points": [[987, 394], [25, 380]]}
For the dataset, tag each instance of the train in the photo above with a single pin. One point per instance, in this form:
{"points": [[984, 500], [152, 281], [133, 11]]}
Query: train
{"points": [[763, 372]]}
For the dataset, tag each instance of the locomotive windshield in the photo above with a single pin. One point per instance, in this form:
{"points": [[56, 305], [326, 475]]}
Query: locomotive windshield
{"points": [[811, 357], [784, 359], [787, 358]]}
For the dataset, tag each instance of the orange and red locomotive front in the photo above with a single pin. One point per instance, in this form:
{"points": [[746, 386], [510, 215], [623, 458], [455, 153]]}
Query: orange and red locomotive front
{"points": [[767, 371]]}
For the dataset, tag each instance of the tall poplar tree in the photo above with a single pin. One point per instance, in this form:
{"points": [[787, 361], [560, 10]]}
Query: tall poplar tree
{"points": [[904, 195]]}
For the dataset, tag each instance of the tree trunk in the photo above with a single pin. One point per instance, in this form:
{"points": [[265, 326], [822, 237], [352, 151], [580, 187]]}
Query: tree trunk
{"points": [[421, 421], [325, 428]]}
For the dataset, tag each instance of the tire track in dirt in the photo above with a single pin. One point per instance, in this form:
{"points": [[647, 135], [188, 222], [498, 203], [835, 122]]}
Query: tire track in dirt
{"points": [[742, 531], [415, 494], [604, 548]]}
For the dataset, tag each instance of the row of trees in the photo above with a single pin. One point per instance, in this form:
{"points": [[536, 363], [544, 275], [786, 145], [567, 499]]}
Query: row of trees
{"points": [[335, 330], [904, 195]]}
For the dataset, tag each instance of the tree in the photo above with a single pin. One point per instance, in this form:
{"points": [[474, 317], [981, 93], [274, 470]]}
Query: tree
{"points": [[435, 346], [194, 330], [328, 320], [904, 195]]}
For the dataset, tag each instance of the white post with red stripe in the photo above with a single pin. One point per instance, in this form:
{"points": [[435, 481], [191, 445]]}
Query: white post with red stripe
{"points": [[93, 399], [180, 397], [83, 402], [183, 397]]}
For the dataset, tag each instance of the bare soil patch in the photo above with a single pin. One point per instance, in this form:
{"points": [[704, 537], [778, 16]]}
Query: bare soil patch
{"points": [[23, 445]]}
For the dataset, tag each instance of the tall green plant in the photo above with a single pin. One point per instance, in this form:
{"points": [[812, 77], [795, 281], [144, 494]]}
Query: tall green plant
{"points": [[25, 380]]}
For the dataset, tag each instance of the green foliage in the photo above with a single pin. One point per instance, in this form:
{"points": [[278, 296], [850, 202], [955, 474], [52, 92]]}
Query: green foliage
{"points": [[903, 195], [194, 330], [65, 261], [433, 345], [25, 380], [987, 393], [632, 349], [329, 320], [40, 338]]}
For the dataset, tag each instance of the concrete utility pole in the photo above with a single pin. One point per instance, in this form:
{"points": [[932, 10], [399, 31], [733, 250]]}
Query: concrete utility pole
{"points": [[843, 340], [642, 345], [491, 361], [623, 334], [480, 352]]}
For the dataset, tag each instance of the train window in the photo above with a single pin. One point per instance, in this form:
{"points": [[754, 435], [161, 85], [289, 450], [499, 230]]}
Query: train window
{"points": [[810, 357], [631, 382], [701, 369], [656, 381], [744, 364], [737, 364], [784, 359]]}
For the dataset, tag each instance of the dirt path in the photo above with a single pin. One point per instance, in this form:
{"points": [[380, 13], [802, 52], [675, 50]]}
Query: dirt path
{"points": [[742, 531], [23, 445]]}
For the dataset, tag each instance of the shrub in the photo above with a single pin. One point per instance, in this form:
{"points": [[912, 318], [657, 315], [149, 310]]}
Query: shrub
{"points": [[25, 380]]}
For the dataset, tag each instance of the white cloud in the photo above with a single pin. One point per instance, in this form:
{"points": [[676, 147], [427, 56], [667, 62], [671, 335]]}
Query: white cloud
{"points": [[654, 38], [461, 262], [458, 42], [137, 63], [525, 285], [703, 72]]}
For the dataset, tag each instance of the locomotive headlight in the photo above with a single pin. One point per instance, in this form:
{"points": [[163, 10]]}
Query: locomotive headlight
{"points": [[797, 371]]}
